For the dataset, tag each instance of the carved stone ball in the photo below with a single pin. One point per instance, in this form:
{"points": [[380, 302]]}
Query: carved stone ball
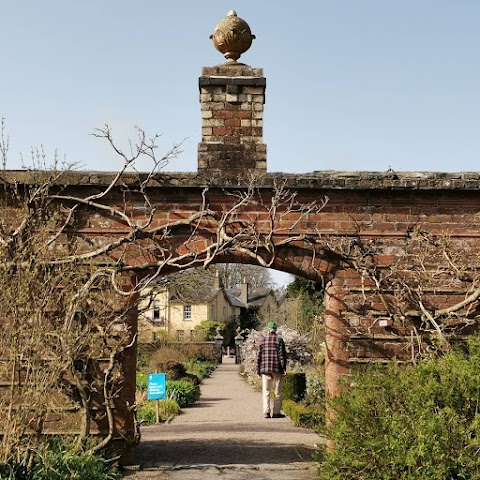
{"points": [[232, 36]]}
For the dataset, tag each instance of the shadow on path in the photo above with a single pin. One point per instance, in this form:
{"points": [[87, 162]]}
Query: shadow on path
{"points": [[221, 452], [226, 428]]}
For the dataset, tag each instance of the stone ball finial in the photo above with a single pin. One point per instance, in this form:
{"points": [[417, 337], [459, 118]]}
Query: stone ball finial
{"points": [[232, 36]]}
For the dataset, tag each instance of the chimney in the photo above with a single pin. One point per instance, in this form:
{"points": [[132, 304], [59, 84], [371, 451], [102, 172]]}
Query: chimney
{"points": [[232, 96], [217, 283], [244, 291]]}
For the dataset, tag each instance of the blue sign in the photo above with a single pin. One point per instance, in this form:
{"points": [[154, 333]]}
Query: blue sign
{"points": [[157, 386]]}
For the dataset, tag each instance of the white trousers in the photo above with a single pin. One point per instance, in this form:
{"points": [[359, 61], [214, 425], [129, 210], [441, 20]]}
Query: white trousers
{"points": [[274, 382]]}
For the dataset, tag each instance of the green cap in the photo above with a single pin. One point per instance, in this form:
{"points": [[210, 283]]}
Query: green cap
{"points": [[272, 325]]}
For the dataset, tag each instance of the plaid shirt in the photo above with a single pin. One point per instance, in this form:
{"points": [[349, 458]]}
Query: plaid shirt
{"points": [[272, 355]]}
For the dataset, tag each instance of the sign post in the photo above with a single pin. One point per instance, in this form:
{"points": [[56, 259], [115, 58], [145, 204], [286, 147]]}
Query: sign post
{"points": [[157, 389]]}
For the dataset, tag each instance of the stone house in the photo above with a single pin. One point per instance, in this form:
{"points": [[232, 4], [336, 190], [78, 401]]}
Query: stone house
{"points": [[165, 314]]}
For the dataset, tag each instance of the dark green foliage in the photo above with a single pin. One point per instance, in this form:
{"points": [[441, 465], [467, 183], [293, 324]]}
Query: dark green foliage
{"points": [[174, 370], [300, 284], [417, 422], [60, 461], [309, 318], [304, 415], [202, 369], [208, 329], [294, 386], [311, 296], [183, 391], [249, 319]]}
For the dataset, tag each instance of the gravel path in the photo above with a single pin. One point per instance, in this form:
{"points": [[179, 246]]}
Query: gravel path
{"points": [[225, 437]]}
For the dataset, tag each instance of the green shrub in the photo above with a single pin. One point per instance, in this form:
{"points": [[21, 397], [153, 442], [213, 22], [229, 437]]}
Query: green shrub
{"points": [[60, 461], [146, 414], [142, 381], [416, 422], [168, 407], [294, 386], [202, 369], [315, 390], [303, 415], [183, 391], [208, 329]]}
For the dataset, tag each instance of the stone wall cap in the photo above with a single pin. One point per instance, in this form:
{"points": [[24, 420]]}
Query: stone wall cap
{"points": [[326, 180]]}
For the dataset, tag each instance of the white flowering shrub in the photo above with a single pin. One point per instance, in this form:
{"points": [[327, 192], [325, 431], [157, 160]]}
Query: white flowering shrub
{"points": [[298, 352]]}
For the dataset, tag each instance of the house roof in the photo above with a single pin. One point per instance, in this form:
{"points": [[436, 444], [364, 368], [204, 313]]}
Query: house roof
{"points": [[184, 288], [281, 296], [199, 295], [234, 300], [256, 296]]}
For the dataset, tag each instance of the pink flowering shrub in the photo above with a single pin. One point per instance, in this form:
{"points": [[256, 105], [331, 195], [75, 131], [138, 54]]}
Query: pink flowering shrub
{"points": [[298, 352]]}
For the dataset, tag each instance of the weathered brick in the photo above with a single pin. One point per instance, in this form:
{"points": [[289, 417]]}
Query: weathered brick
{"points": [[214, 122], [223, 114], [233, 122], [231, 98], [222, 131]]}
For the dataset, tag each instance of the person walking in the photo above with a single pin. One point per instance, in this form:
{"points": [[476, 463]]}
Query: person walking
{"points": [[272, 368]]}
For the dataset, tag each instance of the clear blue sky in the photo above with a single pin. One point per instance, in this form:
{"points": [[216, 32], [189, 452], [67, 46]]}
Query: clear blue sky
{"points": [[351, 85]]}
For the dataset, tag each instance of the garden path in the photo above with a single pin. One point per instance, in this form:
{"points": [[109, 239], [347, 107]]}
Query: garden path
{"points": [[224, 436]]}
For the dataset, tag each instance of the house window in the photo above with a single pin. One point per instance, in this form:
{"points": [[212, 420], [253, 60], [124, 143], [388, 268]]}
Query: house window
{"points": [[180, 335], [212, 312], [156, 317], [187, 312]]}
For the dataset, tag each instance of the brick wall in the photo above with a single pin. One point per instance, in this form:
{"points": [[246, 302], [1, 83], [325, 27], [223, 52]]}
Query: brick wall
{"points": [[365, 207]]}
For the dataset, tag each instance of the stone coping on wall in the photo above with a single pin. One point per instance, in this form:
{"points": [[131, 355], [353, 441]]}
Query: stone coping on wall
{"points": [[327, 179]]}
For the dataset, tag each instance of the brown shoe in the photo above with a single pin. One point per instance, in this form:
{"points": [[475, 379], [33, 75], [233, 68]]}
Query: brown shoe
{"points": [[267, 415], [278, 415]]}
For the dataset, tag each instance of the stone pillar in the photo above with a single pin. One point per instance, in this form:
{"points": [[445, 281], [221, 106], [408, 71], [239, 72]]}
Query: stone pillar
{"points": [[232, 98], [336, 337]]}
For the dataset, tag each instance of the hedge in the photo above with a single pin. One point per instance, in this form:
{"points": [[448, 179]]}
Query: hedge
{"points": [[294, 386]]}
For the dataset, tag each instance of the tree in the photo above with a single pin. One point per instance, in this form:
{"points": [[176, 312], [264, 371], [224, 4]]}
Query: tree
{"points": [[190, 285], [302, 310], [68, 296], [66, 312], [233, 274], [208, 329], [309, 300]]}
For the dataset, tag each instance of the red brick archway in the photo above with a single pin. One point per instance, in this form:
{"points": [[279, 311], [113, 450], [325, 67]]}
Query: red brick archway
{"points": [[372, 208], [362, 207]]}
